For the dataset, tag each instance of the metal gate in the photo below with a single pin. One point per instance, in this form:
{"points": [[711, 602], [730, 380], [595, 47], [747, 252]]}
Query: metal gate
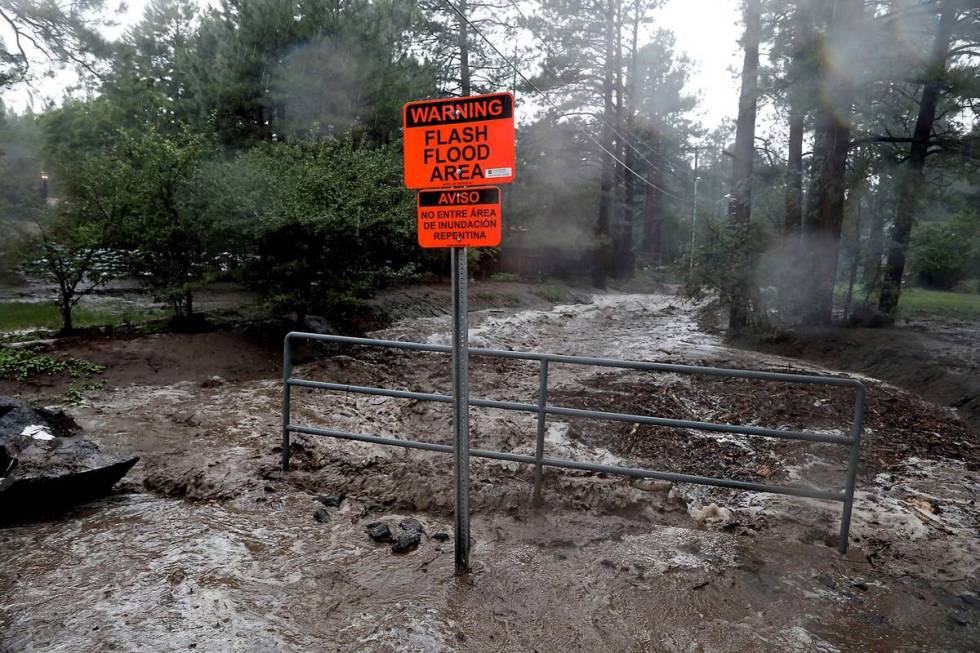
{"points": [[542, 409]]}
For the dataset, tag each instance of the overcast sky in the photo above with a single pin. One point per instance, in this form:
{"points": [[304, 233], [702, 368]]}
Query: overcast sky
{"points": [[707, 30]]}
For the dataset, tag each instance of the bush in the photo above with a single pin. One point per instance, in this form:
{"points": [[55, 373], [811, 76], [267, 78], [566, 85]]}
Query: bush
{"points": [[323, 222], [939, 255], [968, 286]]}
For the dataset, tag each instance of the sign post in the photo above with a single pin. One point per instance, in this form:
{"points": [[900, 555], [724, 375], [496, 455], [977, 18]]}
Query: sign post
{"points": [[461, 415], [453, 147]]}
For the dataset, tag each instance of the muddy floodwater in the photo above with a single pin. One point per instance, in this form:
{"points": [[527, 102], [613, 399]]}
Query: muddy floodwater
{"points": [[208, 546]]}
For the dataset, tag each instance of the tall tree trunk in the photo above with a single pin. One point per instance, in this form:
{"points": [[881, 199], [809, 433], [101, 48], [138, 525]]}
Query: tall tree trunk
{"points": [[625, 260], [824, 217], [799, 69], [65, 308], [911, 179], [463, 43], [601, 250], [793, 218], [872, 255], [855, 199], [653, 205], [618, 92], [825, 201], [739, 207], [789, 281]]}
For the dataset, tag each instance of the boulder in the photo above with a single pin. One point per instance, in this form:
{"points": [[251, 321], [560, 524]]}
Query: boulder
{"points": [[45, 468]]}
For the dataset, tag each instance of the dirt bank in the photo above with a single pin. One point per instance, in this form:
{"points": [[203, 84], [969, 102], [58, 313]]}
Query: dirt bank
{"points": [[244, 345], [209, 545], [938, 359]]}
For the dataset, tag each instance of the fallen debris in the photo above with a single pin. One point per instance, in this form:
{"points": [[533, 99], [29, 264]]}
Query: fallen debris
{"points": [[712, 512], [37, 431]]}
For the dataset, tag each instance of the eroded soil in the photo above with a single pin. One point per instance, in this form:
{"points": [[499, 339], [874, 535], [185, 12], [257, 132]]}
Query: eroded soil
{"points": [[936, 358], [208, 545]]}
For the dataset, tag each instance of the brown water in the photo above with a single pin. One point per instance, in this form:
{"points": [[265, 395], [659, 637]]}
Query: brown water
{"points": [[208, 546]]}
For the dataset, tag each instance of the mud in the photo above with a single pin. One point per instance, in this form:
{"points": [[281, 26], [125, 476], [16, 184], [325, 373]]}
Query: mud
{"points": [[209, 545], [158, 360]]}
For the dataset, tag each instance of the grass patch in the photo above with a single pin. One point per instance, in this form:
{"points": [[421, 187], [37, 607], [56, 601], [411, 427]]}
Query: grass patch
{"points": [[16, 316], [919, 302]]}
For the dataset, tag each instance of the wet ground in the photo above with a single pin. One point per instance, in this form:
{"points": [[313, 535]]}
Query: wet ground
{"points": [[208, 546]]}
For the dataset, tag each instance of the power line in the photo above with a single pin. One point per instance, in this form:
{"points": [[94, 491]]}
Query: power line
{"points": [[554, 106]]}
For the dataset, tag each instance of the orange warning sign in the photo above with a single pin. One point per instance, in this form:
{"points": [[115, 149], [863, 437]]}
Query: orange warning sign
{"points": [[455, 142], [459, 218]]}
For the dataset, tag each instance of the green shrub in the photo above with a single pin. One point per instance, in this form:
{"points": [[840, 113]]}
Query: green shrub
{"points": [[22, 364], [938, 255], [324, 222], [969, 286]]}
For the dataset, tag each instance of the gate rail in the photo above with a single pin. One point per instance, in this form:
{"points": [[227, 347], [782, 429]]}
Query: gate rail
{"points": [[542, 409]]}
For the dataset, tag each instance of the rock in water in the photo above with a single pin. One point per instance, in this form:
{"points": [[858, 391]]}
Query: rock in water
{"points": [[379, 532], [410, 536], [412, 525], [407, 541], [331, 500]]}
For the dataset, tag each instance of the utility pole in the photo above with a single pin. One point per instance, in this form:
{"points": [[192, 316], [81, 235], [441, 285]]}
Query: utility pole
{"points": [[694, 209]]}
